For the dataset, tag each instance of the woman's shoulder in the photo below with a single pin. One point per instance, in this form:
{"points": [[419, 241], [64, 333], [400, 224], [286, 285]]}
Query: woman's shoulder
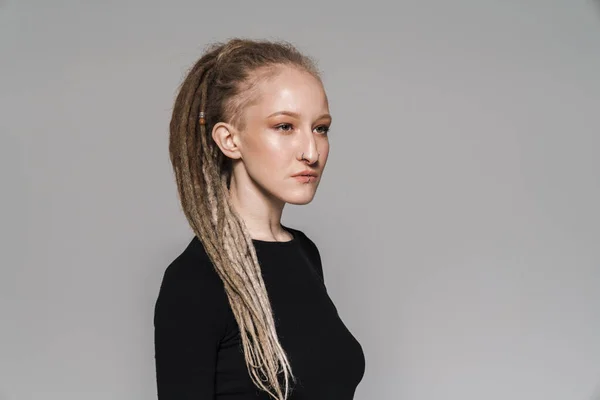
{"points": [[192, 273], [304, 239], [191, 294], [310, 247]]}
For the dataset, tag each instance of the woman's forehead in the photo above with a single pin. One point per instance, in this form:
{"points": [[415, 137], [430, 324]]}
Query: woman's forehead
{"points": [[292, 91]]}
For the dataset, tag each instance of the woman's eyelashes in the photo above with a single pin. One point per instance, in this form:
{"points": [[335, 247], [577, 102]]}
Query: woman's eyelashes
{"points": [[286, 127], [324, 129]]}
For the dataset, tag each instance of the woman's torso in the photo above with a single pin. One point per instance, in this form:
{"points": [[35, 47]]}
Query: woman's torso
{"points": [[325, 357]]}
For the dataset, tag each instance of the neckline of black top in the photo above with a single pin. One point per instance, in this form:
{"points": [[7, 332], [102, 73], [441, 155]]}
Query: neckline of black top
{"points": [[276, 243]]}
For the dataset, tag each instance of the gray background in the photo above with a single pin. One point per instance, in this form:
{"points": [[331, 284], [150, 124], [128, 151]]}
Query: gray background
{"points": [[457, 218]]}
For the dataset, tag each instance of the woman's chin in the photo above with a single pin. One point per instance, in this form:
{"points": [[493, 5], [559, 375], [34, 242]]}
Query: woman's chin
{"points": [[300, 199]]}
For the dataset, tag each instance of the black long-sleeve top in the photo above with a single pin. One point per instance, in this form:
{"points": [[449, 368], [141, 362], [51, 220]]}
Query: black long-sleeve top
{"points": [[198, 350]]}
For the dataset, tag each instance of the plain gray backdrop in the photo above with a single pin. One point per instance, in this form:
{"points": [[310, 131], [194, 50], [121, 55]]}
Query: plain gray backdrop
{"points": [[457, 218]]}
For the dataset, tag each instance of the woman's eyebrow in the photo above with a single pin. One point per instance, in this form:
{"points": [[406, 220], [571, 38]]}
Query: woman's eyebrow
{"points": [[296, 115]]}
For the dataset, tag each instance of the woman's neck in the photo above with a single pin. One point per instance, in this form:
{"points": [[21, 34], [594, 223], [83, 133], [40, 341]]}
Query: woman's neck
{"points": [[262, 216]]}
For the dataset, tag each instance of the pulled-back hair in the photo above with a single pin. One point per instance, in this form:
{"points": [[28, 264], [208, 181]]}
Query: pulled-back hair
{"points": [[220, 85]]}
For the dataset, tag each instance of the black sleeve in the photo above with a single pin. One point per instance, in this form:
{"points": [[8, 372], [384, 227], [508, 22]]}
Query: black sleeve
{"points": [[188, 325]]}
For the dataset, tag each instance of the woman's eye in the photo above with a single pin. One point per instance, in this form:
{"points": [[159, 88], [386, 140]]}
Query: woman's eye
{"points": [[285, 127], [323, 129]]}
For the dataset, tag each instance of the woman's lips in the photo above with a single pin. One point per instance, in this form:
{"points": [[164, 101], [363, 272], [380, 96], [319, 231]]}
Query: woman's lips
{"points": [[305, 178]]}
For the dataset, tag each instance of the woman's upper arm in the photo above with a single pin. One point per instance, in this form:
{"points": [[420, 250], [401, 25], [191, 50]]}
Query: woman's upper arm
{"points": [[187, 330]]}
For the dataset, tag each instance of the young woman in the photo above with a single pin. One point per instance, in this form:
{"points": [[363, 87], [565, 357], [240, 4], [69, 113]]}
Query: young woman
{"points": [[243, 311]]}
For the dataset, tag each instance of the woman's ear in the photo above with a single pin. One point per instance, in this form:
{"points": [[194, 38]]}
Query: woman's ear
{"points": [[227, 138]]}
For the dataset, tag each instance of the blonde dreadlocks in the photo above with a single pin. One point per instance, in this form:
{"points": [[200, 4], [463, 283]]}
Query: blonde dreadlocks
{"points": [[217, 88]]}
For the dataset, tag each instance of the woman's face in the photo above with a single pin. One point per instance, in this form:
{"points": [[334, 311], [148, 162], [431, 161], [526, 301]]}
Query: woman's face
{"points": [[289, 118]]}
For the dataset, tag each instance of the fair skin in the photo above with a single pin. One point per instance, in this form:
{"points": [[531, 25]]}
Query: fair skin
{"points": [[285, 132]]}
